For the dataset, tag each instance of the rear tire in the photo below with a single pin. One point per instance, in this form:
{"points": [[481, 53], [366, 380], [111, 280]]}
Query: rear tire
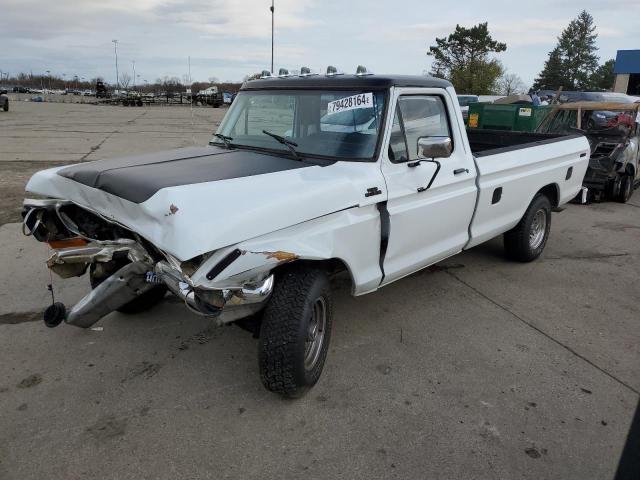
{"points": [[526, 241], [626, 189], [295, 332]]}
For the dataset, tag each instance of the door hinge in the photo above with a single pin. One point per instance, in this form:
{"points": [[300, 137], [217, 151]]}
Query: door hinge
{"points": [[372, 191]]}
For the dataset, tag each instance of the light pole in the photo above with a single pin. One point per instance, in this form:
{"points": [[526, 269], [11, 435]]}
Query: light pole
{"points": [[134, 73], [115, 49], [272, 14], [49, 75]]}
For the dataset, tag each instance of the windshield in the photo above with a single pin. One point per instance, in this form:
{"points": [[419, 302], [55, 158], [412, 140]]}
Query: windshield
{"points": [[323, 123], [465, 100]]}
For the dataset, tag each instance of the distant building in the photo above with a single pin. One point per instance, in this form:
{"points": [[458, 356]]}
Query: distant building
{"points": [[627, 71]]}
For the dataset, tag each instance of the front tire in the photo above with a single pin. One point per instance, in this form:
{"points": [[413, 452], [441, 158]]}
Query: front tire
{"points": [[526, 241], [295, 332]]}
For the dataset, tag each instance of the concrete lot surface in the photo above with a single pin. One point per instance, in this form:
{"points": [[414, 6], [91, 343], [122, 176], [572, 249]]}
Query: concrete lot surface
{"points": [[476, 368]]}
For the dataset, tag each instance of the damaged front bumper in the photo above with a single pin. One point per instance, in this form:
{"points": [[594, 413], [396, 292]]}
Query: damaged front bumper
{"points": [[229, 303], [140, 275]]}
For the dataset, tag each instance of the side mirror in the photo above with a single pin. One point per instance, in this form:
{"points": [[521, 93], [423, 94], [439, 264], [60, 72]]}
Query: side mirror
{"points": [[434, 147]]}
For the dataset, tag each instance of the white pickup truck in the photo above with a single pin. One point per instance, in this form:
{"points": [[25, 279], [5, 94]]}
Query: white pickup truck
{"points": [[306, 176]]}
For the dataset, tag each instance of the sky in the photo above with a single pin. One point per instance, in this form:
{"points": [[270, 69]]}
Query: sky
{"points": [[228, 39]]}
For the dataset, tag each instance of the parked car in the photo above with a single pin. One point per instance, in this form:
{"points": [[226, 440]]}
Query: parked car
{"points": [[464, 101], [4, 100], [20, 89], [614, 137], [250, 228]]}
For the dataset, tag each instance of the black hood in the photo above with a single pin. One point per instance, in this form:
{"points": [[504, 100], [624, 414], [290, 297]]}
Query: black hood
{"points": [[137, 178]]}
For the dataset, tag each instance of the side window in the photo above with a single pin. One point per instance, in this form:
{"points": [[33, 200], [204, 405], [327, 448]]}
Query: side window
{"points": [[422, 116], [397, 144]]}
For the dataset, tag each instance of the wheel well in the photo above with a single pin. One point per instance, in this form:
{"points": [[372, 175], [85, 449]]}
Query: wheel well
{"points": [[333, 266], [551, 192]]}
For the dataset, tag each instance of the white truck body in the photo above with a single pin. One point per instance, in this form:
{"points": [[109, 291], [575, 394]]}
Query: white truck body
{"points": [[332, 217], [217, 224]]}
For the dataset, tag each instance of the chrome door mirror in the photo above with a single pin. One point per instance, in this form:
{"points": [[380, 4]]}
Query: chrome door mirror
{"points": [[434, 147]]}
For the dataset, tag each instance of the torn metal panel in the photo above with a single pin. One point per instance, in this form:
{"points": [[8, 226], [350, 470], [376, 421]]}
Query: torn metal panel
{"points": [[351, 236]]}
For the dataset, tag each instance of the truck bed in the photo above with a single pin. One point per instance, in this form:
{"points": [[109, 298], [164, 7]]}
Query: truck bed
{"points": [[489, 142], [513, 166]]}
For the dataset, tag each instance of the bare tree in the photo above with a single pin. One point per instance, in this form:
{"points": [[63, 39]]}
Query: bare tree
{"points": [[510, 84], [125, 80], [213, 80]]}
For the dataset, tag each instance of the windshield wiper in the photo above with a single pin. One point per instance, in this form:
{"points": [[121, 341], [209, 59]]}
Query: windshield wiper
{"points": [[287, 143], [224, 138]]}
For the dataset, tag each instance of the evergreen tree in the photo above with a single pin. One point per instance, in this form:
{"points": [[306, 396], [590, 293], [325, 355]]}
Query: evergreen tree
{"points": [[572, 63], [578, 45], [463, 58], [552, 76], [604, 78]]}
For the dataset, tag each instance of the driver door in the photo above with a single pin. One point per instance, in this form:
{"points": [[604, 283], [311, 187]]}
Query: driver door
{"points": [[432, 224]]}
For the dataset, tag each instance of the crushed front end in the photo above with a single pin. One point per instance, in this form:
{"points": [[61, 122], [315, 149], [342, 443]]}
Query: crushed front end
{"points": [[126, 271]]}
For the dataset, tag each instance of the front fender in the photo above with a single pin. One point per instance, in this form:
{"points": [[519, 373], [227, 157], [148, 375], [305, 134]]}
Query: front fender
{"points": [[351, 236]]}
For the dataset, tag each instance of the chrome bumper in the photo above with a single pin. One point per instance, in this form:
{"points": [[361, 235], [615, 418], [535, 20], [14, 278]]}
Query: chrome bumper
{"points": [[119, 289], [227, 304]]}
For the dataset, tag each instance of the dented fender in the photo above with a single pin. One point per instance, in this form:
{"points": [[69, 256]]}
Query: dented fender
{"points": [[351, 236]]}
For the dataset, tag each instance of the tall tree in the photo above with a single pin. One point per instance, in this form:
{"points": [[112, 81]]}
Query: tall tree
{"points": [[604, 78], [463, 58], [578, 44], [553, 75], [573, 61]]}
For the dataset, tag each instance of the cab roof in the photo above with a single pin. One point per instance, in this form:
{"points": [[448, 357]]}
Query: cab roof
{"points": [[377, 82]]}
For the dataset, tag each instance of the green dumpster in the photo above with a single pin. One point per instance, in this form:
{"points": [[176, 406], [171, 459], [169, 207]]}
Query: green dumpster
{"points": [[516, 117]]}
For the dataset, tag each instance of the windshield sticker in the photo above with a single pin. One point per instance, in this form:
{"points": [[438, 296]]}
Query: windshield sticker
{"points": [[362, 100]]}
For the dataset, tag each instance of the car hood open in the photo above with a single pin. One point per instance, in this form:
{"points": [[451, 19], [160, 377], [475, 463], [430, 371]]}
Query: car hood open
{"points": [[195, 200]]}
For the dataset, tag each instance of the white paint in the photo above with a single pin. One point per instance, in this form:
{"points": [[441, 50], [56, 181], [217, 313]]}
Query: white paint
{"points": [[322, 213]]}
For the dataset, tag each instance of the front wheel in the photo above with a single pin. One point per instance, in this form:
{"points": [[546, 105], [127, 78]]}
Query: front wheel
{"points": [[526, 241], [295, 332]]}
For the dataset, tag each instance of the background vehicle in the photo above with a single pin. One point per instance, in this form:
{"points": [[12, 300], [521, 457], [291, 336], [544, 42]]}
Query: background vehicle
{"points": [[613, 133], [251, 227], [464, 101], [101, 90], [4, 100]]}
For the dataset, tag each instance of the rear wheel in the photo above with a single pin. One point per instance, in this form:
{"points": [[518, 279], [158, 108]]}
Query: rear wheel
{"points": [[99, 272], [295, 332], [527, 240], [626, 188]]}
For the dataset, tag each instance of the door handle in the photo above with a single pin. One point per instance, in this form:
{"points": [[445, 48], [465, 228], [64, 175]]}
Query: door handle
{"points": [[458, 171]]}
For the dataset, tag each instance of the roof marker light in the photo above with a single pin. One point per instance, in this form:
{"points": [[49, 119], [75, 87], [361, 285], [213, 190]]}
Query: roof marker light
{"points": [[333, 71], [283, 73], [265, 74], [361, 71], [306, 72]]}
